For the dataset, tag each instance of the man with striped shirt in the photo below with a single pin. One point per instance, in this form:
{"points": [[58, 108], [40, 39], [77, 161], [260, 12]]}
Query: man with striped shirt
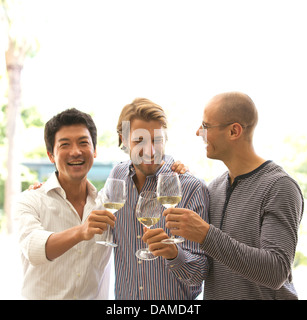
{"points": [[255, 210], [58, 225], [179, 270]]}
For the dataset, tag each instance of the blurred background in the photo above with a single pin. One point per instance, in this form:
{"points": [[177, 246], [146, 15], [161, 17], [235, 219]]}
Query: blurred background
{"points": [[99, 55]]}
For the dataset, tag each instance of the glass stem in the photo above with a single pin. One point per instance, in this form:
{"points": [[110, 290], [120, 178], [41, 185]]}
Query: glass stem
{"points": [[108, 237]]}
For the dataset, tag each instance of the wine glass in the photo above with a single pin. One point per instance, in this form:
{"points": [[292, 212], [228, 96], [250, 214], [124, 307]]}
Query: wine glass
{"points": [[169, 195], [148, 212], [112, 197]]}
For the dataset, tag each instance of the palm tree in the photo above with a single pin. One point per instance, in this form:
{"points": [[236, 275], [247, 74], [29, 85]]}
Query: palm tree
{"points": [[19, 45]]}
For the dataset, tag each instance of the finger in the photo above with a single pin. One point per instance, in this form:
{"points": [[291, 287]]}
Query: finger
{"points": [[98, 230], [176, 211], [156, 239], [103, 213], [96, 226], [155, 247], [152, 233], [101, 219], [184, 169], [173, 225], [175, 165], [174, 217], [167, 252]]}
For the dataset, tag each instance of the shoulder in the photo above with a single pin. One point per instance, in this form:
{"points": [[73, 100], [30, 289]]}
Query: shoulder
{"points": [[120, 170], [219, 181], [281, 181], [30, 201], [41, 194], [278, 177], [190, 182]]}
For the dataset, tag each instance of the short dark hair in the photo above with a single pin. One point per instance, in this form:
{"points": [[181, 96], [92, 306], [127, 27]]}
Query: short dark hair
{"points": [[67, 118]]}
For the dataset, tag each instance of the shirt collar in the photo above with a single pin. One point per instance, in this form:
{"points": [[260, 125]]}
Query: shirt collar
{"points": [[166, 167], [249, 174], [53, 184]]}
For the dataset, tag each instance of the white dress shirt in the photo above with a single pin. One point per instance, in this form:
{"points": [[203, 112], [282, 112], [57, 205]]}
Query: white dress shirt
{"points": [[83, 272]]}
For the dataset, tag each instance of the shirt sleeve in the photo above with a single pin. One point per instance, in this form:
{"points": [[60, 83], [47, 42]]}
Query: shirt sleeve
{"points": [[31, 234], [270, 264], [191, 265]]}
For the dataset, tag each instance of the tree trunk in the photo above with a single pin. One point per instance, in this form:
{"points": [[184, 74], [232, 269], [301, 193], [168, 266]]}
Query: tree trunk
{"points": [[13, 182]]}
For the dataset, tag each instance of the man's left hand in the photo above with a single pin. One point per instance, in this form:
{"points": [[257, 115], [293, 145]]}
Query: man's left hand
{"points": [[179, 167], [153, 238]]}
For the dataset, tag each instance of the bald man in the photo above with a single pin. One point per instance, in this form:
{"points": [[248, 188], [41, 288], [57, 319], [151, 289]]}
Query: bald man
{"points": [[255, 210]]}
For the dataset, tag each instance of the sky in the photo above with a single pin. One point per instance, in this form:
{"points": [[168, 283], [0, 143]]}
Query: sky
{"points": [[99, 55]]}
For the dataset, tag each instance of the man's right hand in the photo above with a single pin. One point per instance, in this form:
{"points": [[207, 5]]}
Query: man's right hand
{"points": [[96, 223]]}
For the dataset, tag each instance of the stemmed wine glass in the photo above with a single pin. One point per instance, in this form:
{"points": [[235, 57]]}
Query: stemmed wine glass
{"points": [[148, 212], [169, 195], [112, 197]]}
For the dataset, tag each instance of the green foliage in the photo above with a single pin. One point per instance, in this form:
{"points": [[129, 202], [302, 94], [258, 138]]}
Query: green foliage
{"points": [[107, 139], [98, 184], [37, 153], [2, 124], [31, 118], [2, 220], [300, 259], [295, 160], [2, 183]]}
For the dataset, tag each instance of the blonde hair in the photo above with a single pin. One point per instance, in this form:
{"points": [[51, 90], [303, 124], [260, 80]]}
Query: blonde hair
{"points": [[142, 109]]}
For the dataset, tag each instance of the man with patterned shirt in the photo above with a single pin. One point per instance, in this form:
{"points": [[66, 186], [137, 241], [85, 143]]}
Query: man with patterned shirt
{"points": [[255, 210], [179, 269]]}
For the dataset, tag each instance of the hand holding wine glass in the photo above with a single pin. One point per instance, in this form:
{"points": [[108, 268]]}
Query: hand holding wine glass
{"points": [[169, 195], [112, 197], [148, 212]]}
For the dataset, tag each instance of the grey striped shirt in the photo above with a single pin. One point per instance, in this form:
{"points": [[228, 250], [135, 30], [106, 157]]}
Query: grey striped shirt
{"points": [[253, 235]]}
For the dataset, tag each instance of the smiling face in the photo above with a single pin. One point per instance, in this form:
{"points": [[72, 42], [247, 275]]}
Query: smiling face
{"points": [[73, 153], [147, 143], [215, 137]]}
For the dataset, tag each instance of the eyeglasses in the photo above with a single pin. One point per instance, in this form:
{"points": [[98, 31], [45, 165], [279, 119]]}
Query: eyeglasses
{"points": [[205, 127]]}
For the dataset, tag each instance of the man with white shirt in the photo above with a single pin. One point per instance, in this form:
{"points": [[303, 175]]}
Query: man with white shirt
{"points": [[58, 225]]}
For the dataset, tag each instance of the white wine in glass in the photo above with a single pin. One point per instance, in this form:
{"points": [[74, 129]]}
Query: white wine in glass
{"points": [[169, 195], [113, 197], [148, 212]]}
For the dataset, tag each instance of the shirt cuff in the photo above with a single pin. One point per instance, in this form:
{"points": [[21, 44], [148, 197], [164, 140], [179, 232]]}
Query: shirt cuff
{"points": [[178, 262], [210, 242], [36, 247]]}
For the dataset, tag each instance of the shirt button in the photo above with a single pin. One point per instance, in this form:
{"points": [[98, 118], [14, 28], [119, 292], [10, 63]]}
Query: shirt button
{"points": [[140, 262], [141, 288], [138, 236]]}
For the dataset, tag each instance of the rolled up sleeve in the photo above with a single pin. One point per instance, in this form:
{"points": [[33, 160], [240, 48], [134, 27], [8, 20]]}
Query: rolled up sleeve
{"points": [[34, 247], [31, 234]]}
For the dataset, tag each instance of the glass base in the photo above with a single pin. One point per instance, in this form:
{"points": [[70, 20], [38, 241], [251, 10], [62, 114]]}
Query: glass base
{"points": [[108, 244], [173, 240], [145, 254]]}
